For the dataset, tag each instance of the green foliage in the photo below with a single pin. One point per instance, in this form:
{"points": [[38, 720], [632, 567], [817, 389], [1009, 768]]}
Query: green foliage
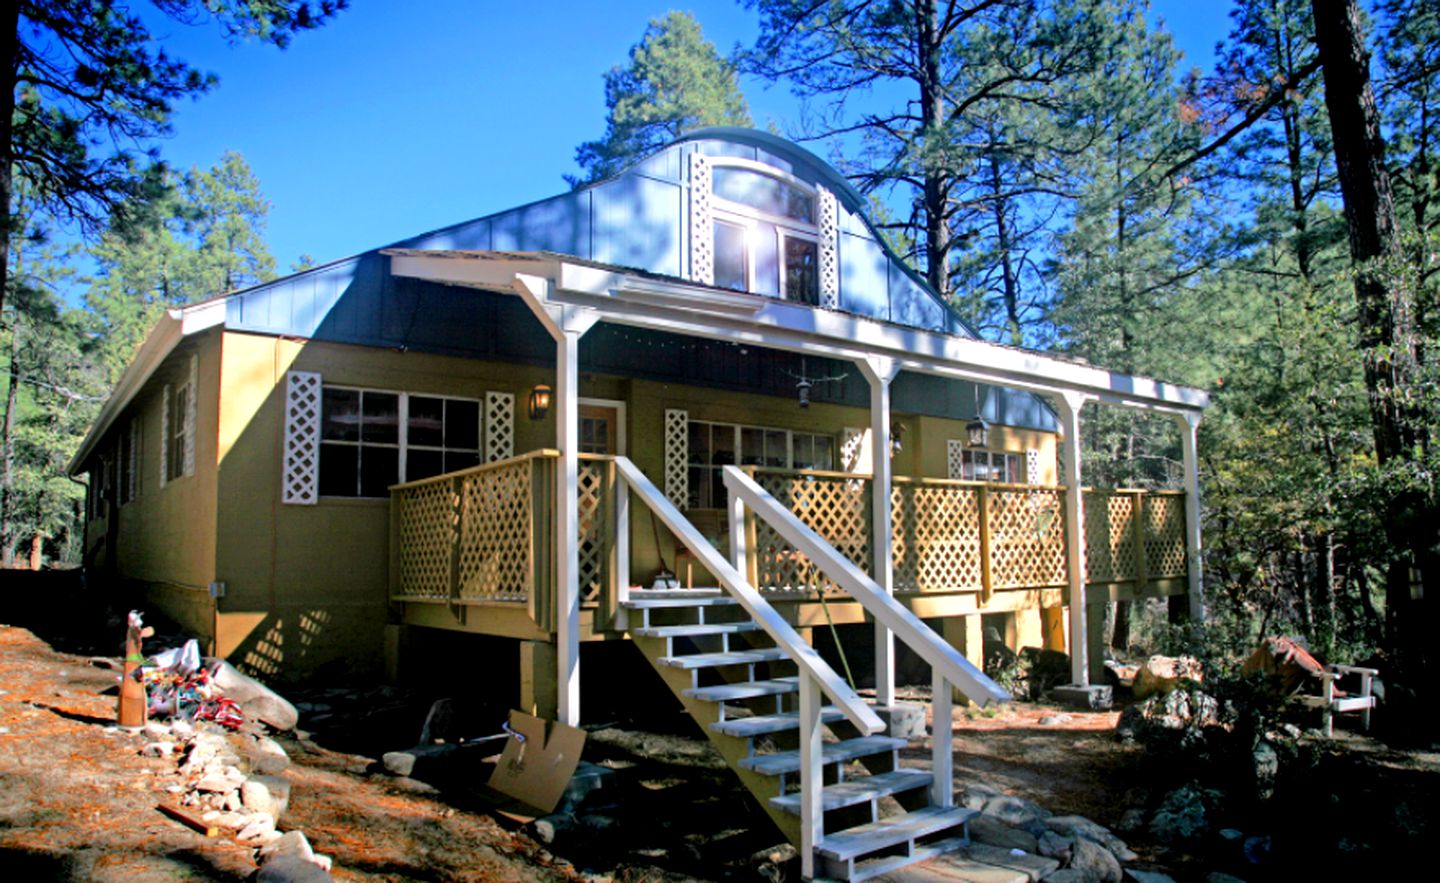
{"points": [[675, 82]]}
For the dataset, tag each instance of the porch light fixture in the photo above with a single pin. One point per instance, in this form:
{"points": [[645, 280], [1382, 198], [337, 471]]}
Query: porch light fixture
{"points": [[539, 401], [803, 389], [896, 431], [977, 432]]}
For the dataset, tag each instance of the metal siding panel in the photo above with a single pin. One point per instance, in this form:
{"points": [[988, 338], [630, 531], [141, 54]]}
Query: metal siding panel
{"points": [[473, 235], [665, 164], [637, 224], [912, 305], [864, 268], [561, 225], [771, 159]]}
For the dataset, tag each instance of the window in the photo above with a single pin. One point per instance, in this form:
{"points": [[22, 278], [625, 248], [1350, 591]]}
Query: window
{"points": [[732, 256], [129, 483], [799, 269], [713, 445], [996, 466], [363, 449], [766, 194], [744, 195], [177, 421]]}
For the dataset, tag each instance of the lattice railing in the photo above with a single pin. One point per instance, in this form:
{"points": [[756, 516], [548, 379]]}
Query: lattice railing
{"points": [[835, 505], [936, 546], [1165, 534], [1026, 537], [1110, 547], [595, 477]]}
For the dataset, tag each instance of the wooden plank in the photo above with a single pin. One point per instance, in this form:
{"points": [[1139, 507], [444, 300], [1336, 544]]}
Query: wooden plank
{"points": [[714, 660], [888, 832], [744, 690], [189, 819], [859, 790], [692, 631], [680, 603], [763, 725], [833, 752], [1034, 867]]}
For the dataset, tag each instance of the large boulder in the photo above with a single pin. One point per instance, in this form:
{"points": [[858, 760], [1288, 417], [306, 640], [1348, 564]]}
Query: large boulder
{"points": [[256, 701], [1162, 674], [1286, 665], [1095, 862]]}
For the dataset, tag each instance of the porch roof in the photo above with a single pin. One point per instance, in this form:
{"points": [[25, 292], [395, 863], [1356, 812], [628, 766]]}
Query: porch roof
{"points": [[562, 285]]}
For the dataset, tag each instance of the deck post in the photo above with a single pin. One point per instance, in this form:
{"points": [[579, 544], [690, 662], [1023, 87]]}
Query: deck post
{"points": [[879, 372], [1189, 428], [1068, 404], [812, 777]]}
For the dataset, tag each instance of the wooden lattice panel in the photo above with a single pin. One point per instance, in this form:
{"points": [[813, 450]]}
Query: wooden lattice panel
{"points": [[677, 457], [954, 458], [496, 516], [593, 535], [936, 540], [165, 392], [852, 448], [300, 476], [702, 232], [1165, 535], [191, 403], [1032, 466], [1109, 536], [1027, 538], [427, 533], [829, 217], [838, 509], [499, 426]]}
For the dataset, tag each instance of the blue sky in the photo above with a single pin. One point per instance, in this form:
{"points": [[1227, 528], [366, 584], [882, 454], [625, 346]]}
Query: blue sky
{"points": [[398, 118]]}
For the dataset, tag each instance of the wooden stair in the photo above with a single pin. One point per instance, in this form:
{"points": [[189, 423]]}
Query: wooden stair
{"points": [[878, 815]]}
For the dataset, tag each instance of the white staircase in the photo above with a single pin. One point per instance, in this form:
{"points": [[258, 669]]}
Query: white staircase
{"points": [[823, 772]]}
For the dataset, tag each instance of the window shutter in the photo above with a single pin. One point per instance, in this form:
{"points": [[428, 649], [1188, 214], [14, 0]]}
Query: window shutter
{"points": [[955, 458], [852, 449], [191, 399], [829, 249], [677, 457], [1032, 466], [166, 393], [702, 231], [132, 464], [499, 426], [300, 479]]}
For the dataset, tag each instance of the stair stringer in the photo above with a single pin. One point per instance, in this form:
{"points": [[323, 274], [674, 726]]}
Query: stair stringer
{"points": [[732, 748]]}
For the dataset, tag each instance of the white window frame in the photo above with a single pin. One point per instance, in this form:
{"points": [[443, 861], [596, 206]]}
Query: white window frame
{"points": [[402, 444], [750, 228], [783, 233], [768, 171], [990, 455], [723, 210], [739, 427], [179, 432]]}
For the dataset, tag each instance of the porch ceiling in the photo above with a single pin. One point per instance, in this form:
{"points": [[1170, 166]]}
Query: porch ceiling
{"points": [[564, 284]]}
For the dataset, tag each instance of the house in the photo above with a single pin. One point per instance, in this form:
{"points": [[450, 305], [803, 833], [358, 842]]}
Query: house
{"points": [[711, 365]]}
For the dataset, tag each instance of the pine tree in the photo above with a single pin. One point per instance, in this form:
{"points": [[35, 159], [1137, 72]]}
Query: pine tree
{"points": [[675, 82]]}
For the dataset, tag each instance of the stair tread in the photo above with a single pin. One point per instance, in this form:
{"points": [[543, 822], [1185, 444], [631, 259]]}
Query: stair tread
{"points": [[678, 603], [643, 594], [764, 724], [745, 690], [846, 845], [874, 867], [734, 657], [691, 631], [832, 752], [858, 790]]}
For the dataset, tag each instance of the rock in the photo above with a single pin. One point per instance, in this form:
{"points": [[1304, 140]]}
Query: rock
{"points": [[1285, 664], [1052, 845], [549, 828], [1079, 826], [226, 779], [1055, 720], [291, 843], [291, 869], [1014, 810], [233, 803], [259, 825], [232, 821], [1065, 875], [158, 749], [267, 757], [993, 832], [326, 863], [1159, 675], [1177, 710], [1131, 820], [1033, 866], [1265, 766], [157, 730], [976, 793], [257, 701], [1095, 862], [1218, 877], [421, 761], [267, 794], [1147, 876], [182, 729], [1182, 815]]}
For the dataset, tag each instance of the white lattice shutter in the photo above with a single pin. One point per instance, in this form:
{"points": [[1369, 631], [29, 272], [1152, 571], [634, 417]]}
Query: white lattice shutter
{"points": [[702, 229], [1032, 466], [852, 449], [677, 457], [191, 403], [132, 464], [300, 478], [829, 249], [499, 426], [955, 458], [166, 394]]}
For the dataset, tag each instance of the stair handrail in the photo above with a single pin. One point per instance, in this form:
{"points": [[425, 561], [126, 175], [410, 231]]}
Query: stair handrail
{"points": [[945, 660], [809, 662]]}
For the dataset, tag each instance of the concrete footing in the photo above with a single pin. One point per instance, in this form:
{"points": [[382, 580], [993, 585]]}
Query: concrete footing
{"points": [[1093, 697], [903, 720]]}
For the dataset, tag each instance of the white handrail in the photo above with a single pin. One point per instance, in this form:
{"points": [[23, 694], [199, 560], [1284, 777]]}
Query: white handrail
{"points": [[944, 659], [809, 662]]}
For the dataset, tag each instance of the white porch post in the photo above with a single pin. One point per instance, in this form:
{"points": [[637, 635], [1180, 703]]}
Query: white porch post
{"points": [[1189, 428], [879, 372], [1069, 404]]}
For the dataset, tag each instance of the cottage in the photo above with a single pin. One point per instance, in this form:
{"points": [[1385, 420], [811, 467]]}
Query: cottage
{"points": [[700, 406]]}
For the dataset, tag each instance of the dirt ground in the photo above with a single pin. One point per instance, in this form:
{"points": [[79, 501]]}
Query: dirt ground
{"points": [[77, 802]]}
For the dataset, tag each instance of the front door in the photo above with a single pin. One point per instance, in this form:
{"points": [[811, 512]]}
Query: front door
{"points": [[599, 429]]}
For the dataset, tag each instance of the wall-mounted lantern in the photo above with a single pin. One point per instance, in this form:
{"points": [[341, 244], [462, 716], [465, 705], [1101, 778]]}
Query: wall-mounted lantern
{"points": [[539, 401], [803, 390], [977, 432], [897, 431]]}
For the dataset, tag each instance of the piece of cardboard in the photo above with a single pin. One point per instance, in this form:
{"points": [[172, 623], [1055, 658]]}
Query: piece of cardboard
{"points": [[537, 769]]}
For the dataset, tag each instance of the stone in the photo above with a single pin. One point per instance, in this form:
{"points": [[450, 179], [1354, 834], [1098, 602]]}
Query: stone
{"points": [[1219, 877], [158, 749], [1182, 815], [420, 761], [257, 701], [1093, 697], [1014, 810], [1055, 720], [1159, 675], [991, 831], [1066, 875], [976, 793], [1033, 866], [267, 757], [326, 863], [1134, 876], [1265, 765], [291, 843], [233, 802], [552, 827], [1131, 820], [290, 869], [157, 730], [903, 720], [592, 787], [1079, 826], [1095, 862], [1056, 846], [226, 779], [233, 821], [267, 794], [182, 729], [259, 825]]}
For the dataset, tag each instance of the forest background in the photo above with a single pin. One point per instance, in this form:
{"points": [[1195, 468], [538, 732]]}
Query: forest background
{"points": [[1265, 229]]}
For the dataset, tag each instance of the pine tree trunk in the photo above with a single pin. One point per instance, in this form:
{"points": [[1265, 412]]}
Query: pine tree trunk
{"points": [[7, 454], [932, 111], [9, 51]]}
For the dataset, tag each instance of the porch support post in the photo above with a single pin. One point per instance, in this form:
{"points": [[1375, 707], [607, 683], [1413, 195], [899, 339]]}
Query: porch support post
{"points": [[879, 371], [1189, 423], [1068, 404], [566, 324]]}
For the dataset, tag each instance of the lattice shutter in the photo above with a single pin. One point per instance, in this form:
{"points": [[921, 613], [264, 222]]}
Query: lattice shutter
{"points": [[165, 434], [301, 476], [829, 249], [1032, 466], [191, 403], [954, 458], [702, 231], [852, 448], [677, 456], [499, 426], [132, 465]]}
